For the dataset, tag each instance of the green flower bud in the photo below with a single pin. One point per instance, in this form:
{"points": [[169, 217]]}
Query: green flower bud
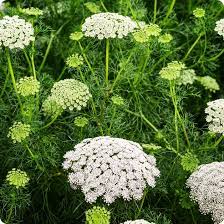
{"points": [[97, 215], [81, 122], [117, 100], [74, 61], [199, 12], [209, 83], [92, 7], [31, 11], [76, 36], [165, 38]]}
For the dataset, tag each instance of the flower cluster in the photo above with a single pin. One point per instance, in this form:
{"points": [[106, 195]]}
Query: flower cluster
{"points": [[74, 61], [215, 116], [188, 76], [67, 94], [19, 131], [222, 1], [17, 178], [1, 7], [15, 32], [97, 215], [209, 83], [189, 162], [172, 71], [145, 32], [81, 122], [28, 86], [118, 100], [199, 12], [165, 38], [207, 189], [110, 168], [139, 221], [108, 25], [32, 11], [219, 28], [76, 36]]}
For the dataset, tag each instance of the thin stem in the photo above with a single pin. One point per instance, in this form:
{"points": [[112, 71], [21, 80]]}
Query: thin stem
{"points": [[107, 62], [142, 203], [61, 74], [5, 84], [170, 9], [13, 77], [218, 141], [102, 4], [217, 56], [155, 11], [10, 213], [51, 122], [28, 60], [33, 67], [192, 47], [46, 53]]}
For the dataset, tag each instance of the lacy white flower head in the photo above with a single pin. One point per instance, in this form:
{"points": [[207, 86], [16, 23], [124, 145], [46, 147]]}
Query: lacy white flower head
{"points": [[1, 7], [28, 86], [70, 94], [172, 71], [19, 131], [207, 189], [15, 32], [219, 28], [209, 83], [138, 221], [108, 25], [188, 76], [17, 178], [0, 219], [110, 168], [222, 1], [222, 222], [215, 116]]}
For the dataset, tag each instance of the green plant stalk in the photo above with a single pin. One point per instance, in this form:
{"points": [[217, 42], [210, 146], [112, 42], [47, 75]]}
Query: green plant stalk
{"points": [[34, 158], [218, 141], [28, 61], [141, 205], [217, 56], [155, 11], [61, 74], [87, 62], [170, 9], [13, 78], [192, 47], [111, 121], [5, 84], [172, 94], [103, 6], [10, 214], [33, 67], [50, 123], [107, 62]]}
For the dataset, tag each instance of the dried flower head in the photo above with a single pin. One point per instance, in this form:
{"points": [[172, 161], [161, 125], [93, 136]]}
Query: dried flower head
{"points": [[76, 36], [139, 221], [215, 116], [17, 178], [19, 131], [110, 168], [219, 28], [28, 86], [15, 32], [97, 215], [92, 7], [143, 34], [74, 61], [207, 189], [165, 38], [199, 12], [70, 94], [188, 76], [117, 100], [172, 71], [209, 83], [108, 25], [32, 11], [81, 122]]}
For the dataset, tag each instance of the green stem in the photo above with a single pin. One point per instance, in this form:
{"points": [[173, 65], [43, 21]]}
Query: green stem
{"points": [[142, 203], [217, 56], [5, 84], [61, 74], [218, 141], [28, 61], [13, 77], [170, 9], [192, 47], [107, 62], [10, 214], [33, 67], [155, 11], [172, 94], [46, 53], [50, 123], [111, 121], [102, 4]]}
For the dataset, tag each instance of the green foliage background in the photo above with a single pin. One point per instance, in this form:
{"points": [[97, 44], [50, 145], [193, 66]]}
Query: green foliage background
{"points": [[49, 198]]}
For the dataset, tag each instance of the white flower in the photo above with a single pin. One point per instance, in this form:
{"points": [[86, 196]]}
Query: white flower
{"points": [[220, 27], [1, 222], [223, 220], [108, 25], [110, 168], [207, 189], [139, 221], [222, 1], [15, 32], [1, 7], [215, 116]]}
